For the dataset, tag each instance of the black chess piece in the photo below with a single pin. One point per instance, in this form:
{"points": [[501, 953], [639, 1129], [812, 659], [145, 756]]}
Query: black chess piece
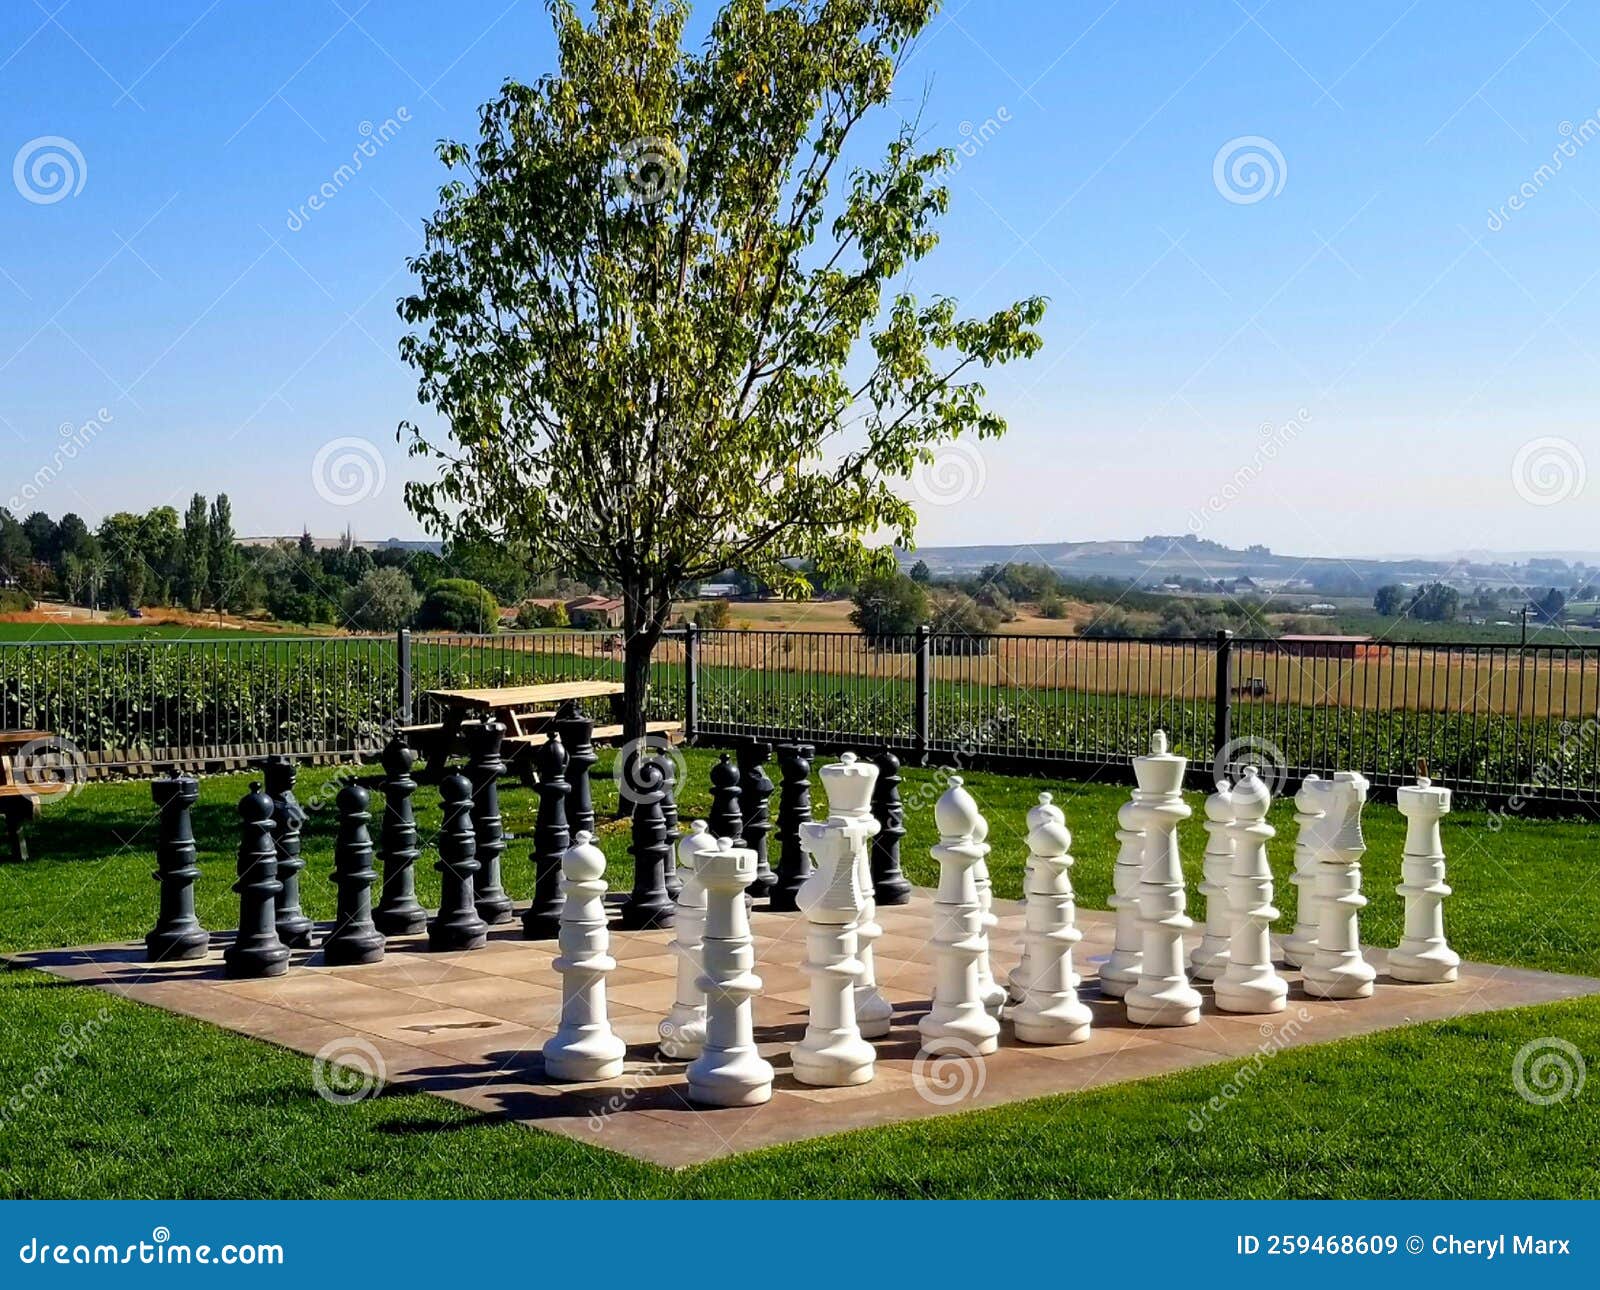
{"points": [[726, 819], [889, 885], [484, 768], [669, 816], [256, 950], [457, 926], [551, 837], [354, 939], [648, 904], [398, 913], [794, 808], [177, 933], [288, 818], [577, 735], [755, 791]]}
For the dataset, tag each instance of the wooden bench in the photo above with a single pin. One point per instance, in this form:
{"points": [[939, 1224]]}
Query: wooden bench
{"points": [[19, 799], [520, 746]]}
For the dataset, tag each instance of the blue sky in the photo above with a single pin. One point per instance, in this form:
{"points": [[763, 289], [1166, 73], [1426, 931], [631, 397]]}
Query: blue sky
{"points": [[1375, 353]]}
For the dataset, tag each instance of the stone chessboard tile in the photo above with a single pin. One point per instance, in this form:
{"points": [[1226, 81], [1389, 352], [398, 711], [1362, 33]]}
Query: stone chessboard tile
{"points": [[468, 1026]]}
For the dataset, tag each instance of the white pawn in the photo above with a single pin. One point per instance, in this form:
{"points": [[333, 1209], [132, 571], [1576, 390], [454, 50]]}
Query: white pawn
{"points": [[1050, 1011], [1249, 982], [958, 1024], [584, 1047], [1162, 996], [729, 1071], [833, 1054], [991, 991], [1120, 972], [1300, 944], [1337, 970], [847, 785], [1423, 955], [1210, 957], [683, 1031]]}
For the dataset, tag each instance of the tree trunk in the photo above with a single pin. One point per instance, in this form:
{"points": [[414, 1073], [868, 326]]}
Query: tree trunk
{"points": [[644, 617]]}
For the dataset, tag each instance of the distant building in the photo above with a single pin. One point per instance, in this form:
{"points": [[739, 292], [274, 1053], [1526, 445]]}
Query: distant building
{"points": [[594, 613], [1303, 645], [718, 590], [1322, 607]]}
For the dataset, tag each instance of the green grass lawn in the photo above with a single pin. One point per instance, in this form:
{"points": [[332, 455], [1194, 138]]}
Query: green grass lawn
{"points": [[158, 1105]]}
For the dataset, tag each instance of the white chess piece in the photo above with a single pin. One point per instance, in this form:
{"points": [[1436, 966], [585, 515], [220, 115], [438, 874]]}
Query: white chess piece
{"points": [[584, 1047], [847, 784], [1162, 996], [1120, 972], [1050, 1011], [958, 1024], [1300, 944], [1337, 970], [991, 991], [1423, 955], [1249, 982], [729, 1071], [833, 1054], [1210, 957], [683, 1031]]}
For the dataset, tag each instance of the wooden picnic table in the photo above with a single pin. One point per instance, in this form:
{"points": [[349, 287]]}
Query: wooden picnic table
{"points": [[522, 709], [19, 800]]}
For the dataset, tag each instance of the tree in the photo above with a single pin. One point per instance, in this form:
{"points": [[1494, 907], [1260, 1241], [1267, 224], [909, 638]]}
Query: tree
{"points": [[921, 573], [224, 559], [1390, 599], [889, 604], [1434, 603], [196, 552], [383, 601], [661, 341], [42, 535], [713, 615], [458, 605], [1549, 606]]}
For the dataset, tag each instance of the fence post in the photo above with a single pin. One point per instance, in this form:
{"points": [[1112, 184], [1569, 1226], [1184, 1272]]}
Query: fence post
{"points": [[403, 659], [691, 683], [1222, 734], [922, 736]]}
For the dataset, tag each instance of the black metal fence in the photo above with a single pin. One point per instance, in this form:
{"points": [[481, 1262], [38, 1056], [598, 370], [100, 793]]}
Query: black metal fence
{"points": [[1497, 722]]}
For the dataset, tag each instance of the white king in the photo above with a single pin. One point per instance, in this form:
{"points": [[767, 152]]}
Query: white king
{"points": [[1423, 955], [833, 1053], [848, 784], [585, 1047], [1162, 996], [1336, 970], [958, 1025], [683, 1031], [1050, 1011]]}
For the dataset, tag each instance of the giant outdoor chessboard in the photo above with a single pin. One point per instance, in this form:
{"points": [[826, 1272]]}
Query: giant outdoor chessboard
{"points": [[469, 1027]]}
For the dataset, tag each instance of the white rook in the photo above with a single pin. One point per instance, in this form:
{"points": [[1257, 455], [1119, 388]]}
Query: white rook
{"points": [[1249, 982], [1300, 944], [1336, 969], [1119, 972], [584, 1047], [1423, 955], [729, 1070], [683, 1031], [1216, 867], [958, 1024], [833, 1054], [848, 784], [1162, 996], [1050, 1011]]}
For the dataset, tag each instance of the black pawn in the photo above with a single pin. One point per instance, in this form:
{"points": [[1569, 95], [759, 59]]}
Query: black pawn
{"points": [[288, 818], [669, 817], [889, 885], [648, 904], [726, 819], [551, 836], [755, 790], [577, 735], [484, 768], [456, 926], [354, 938], [256, 949], [177, 933], [794, 808], [398, 913]]}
